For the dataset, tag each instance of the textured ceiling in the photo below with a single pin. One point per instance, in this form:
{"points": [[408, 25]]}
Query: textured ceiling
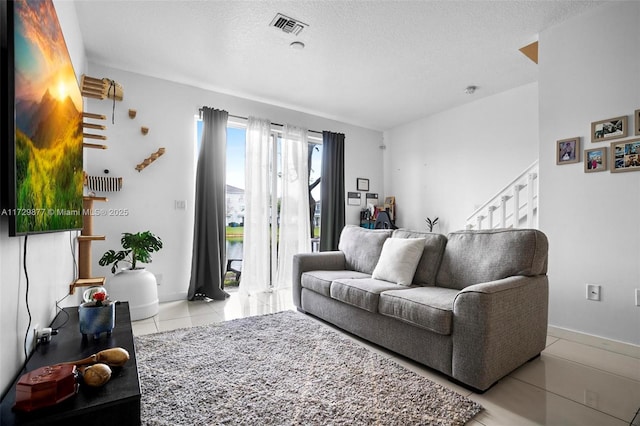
{"points": [[377, 64]]}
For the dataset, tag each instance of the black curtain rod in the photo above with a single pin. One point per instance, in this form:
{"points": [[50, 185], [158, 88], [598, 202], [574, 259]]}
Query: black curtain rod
{"points": [[275, 124]]}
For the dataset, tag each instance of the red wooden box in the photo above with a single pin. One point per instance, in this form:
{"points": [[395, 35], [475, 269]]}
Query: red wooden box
{"points": [[45, 386]]}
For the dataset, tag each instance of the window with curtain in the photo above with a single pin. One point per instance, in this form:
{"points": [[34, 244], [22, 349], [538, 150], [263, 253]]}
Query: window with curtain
{"points": [[253, 255]]}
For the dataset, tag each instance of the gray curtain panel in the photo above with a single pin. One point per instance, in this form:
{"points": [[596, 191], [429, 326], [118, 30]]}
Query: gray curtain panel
{"points": [[208, 264], [332, 215]]}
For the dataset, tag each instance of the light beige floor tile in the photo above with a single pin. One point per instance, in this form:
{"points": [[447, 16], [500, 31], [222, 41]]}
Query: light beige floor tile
{"points": [[183, 309], [212, 318], [174, 324], [601, 359], [551, 340], [140, 328], [512, 402], [596, 342], [474, 422], [606, 392]]}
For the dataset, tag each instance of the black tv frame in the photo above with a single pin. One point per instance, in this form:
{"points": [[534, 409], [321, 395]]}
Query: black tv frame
{"points": [[8, 168]]}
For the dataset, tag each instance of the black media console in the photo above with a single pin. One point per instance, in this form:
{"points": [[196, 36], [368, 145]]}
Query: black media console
{"points": [[115, 403]]}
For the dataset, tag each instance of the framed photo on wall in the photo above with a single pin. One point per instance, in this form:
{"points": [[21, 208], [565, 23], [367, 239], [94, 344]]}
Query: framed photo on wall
{"points": [[568, 151], [636, 116], [611, 128], [354, 198], [625, 156], [362, 184], [595, 160]]}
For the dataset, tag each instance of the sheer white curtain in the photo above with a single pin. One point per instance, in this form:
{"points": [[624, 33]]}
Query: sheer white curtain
{"points": [[256, 247], [294, 210]]}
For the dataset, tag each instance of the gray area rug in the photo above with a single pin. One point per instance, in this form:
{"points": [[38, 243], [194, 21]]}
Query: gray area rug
{"points": [[283, 369]]}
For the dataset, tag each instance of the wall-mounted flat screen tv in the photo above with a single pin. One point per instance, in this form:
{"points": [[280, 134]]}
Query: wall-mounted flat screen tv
{"points": [[41, 122]]}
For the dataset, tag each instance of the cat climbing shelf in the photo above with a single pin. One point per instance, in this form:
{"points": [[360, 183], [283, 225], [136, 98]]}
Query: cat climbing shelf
{"points": [[153, 157], [100, 88], [85, 278]]}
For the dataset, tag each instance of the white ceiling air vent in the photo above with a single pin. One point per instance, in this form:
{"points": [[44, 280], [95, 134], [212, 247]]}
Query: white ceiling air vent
{"points": [[288, 25]]}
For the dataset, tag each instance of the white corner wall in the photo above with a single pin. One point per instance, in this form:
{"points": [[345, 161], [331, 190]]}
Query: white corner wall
{"points": [[448, 164], [50, 263], [168, 109], [589, 69]]}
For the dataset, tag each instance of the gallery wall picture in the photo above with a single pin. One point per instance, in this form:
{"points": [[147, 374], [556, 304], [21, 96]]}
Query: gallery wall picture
{"points": [[354, 198], [595, 160], [625, 156], [636, 116], [568, 151], [611, 128], [362, 184]]}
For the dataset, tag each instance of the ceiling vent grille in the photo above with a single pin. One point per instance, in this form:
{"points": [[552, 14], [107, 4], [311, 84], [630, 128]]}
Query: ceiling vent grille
{"points": [[288, 25]]}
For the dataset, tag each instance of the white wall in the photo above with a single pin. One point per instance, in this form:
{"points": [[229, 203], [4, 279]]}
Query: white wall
{"points": [[49, 260], [448, 164], [168, 109], [589, 70]]}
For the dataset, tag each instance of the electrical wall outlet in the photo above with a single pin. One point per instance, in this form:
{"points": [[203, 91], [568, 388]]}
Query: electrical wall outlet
{"points": [[158, 279], [593, 292], [180, 204], [32, 338]]}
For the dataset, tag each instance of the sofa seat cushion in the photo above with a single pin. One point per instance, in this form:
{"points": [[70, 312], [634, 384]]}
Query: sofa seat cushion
{"points": [[320, 281], [426, 307], [362, 293]]}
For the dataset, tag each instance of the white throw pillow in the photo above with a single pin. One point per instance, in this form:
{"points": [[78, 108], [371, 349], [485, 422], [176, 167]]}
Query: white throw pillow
{"points": [[399, 260]]}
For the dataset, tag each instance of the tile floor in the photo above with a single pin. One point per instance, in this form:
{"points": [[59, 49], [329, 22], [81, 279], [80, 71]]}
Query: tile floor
{"points": [[576, 381]]}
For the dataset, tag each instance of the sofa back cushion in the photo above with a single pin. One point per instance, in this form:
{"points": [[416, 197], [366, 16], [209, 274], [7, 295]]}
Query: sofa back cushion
{"points": [[431, 256], [362, 247], [472, 257]]}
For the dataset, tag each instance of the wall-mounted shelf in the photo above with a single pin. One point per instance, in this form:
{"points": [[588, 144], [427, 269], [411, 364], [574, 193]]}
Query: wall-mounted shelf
{"points": [[84, 242], [153, 157], [100, 88], [92, 136], [94, 145], [94, 116]]}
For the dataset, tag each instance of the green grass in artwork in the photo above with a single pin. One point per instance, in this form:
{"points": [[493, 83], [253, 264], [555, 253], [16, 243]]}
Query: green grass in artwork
{"points": [[49, 181]]}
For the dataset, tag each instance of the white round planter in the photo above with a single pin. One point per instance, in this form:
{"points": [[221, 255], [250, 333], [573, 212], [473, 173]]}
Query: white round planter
{"points": [[139, 288]]}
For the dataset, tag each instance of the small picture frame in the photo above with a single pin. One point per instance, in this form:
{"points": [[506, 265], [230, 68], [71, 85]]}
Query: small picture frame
{"points": [[568, 151], [354, 198], [611, 128], [372, 198], [595, 160], [625, 156], [362, 184], [636, 120]]}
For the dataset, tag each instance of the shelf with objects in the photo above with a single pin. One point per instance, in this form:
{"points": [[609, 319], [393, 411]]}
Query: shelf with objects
{"points": [[379, 217]]}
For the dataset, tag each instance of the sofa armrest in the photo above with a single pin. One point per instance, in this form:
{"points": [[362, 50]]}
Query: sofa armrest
{"points": [[317, 261], [498, 326]]}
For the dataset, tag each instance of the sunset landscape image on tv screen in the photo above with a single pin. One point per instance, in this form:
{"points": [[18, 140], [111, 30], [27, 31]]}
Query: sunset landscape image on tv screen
{"points": [[48, 123]]}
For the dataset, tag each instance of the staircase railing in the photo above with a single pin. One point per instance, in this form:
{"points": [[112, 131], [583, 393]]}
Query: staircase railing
{"points": [[515, 206]]}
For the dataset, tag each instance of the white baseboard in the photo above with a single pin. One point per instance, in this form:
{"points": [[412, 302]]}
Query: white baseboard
{"points": [[172, 297], [616, 346]]}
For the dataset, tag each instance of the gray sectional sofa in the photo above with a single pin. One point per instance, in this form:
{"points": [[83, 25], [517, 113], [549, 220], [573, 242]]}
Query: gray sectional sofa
{"points": [[474, 308]]}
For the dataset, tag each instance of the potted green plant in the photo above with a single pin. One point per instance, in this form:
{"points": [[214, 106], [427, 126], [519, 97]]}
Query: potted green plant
{"points": [[134, 284]]}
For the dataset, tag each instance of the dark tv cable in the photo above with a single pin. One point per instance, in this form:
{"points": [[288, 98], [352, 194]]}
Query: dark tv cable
{"points": [[26, 275]]}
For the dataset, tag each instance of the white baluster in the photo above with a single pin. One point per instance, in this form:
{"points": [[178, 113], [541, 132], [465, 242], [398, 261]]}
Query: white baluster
{"points": [[491, 209], [503, 210], [530, 189], [516, 205], [480, 218]]}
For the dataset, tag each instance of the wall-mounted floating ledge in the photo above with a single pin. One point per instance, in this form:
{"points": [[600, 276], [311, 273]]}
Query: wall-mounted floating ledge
{"points": [[153, 157], [94, 126], [94, 145], [92, 136], [94, 116]]}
